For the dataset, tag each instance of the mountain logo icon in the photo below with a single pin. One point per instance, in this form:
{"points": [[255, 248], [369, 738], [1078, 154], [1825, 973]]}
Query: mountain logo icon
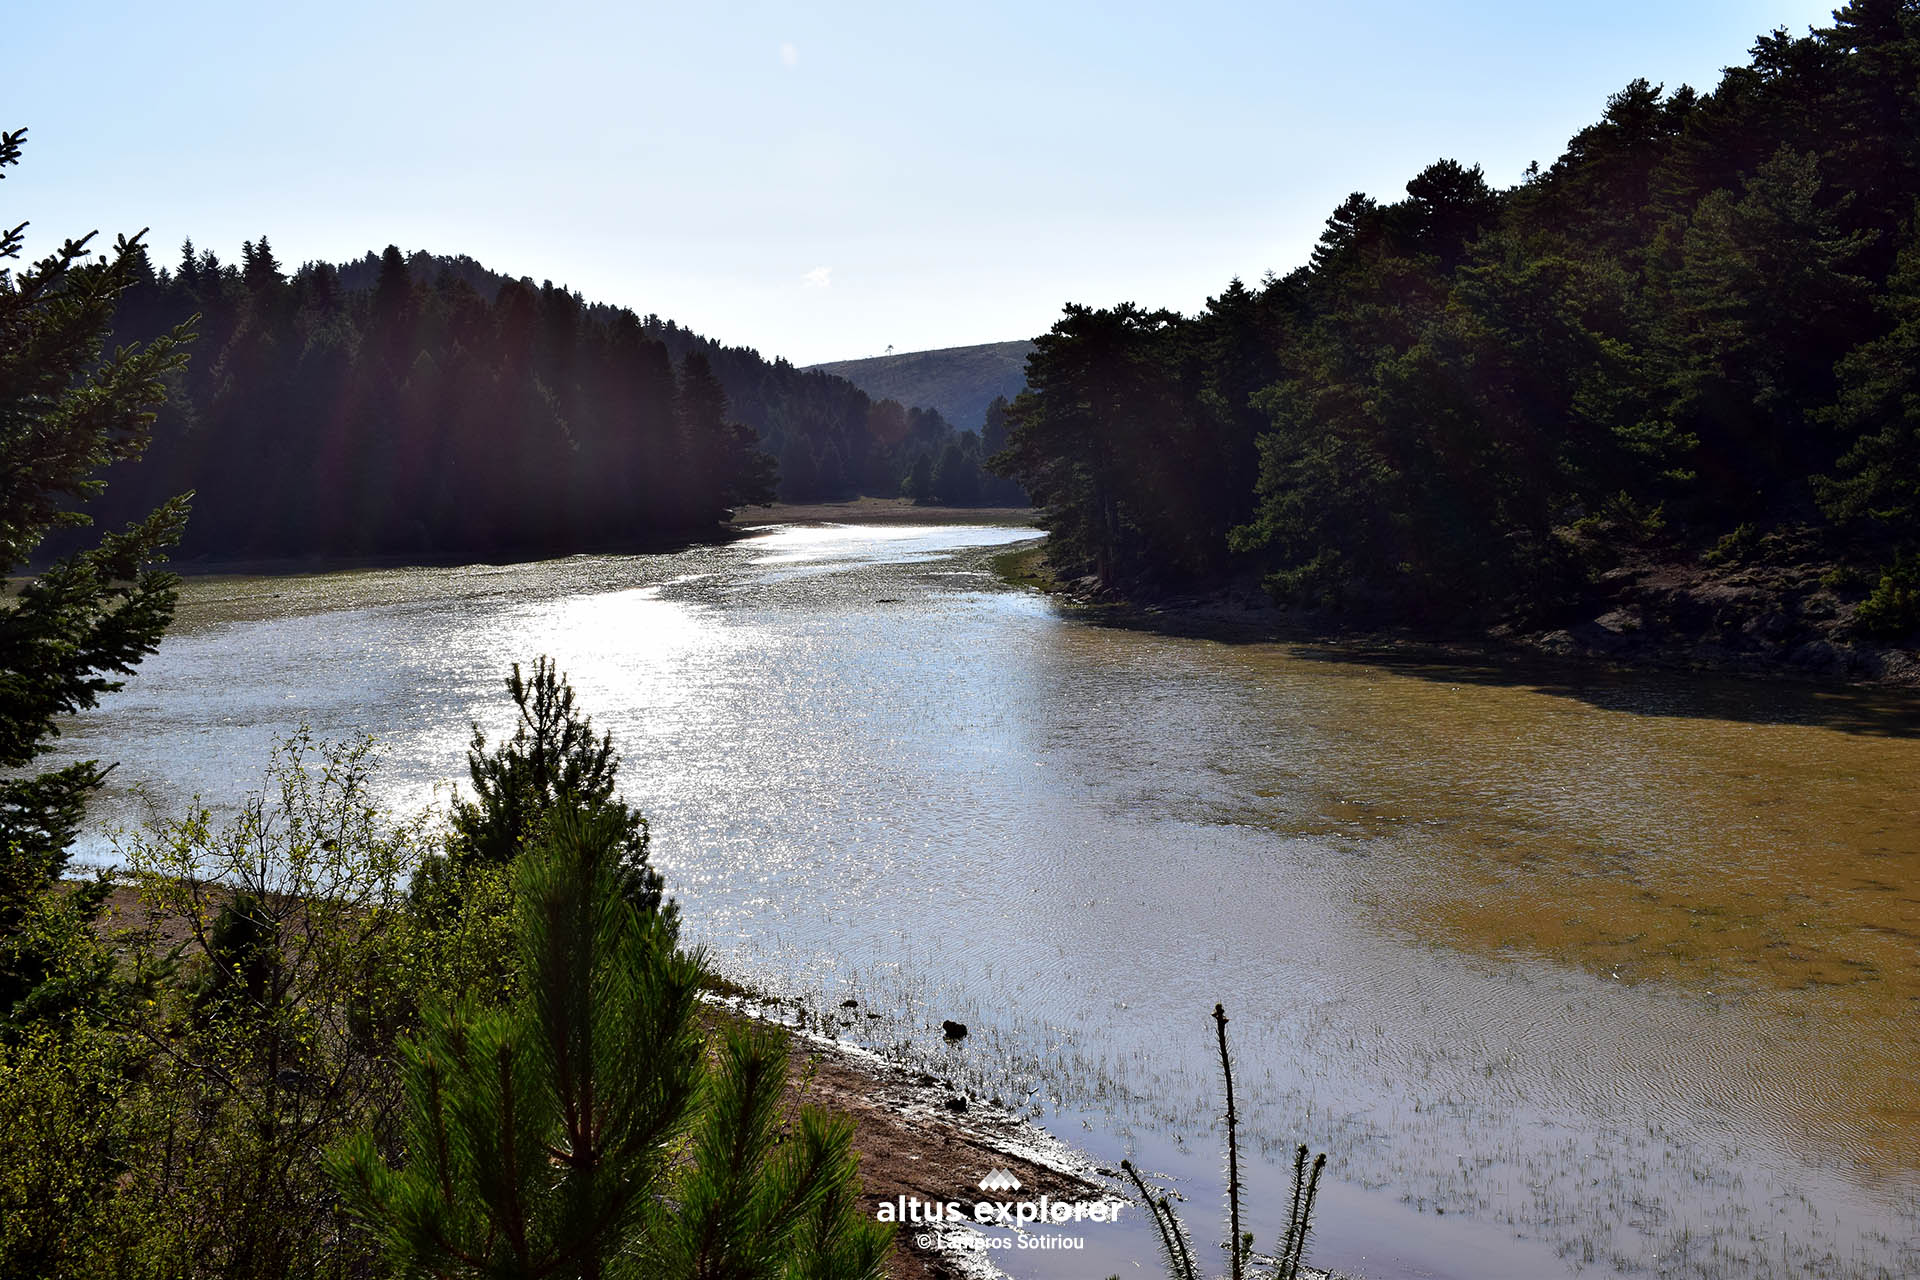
{"points": [[1000, 1180]]}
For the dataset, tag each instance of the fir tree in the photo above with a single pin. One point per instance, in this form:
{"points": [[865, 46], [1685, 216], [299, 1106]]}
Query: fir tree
{"points": [[66, 413]]}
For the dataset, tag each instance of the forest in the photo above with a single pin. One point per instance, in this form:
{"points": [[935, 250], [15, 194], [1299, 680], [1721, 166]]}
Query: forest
{"points": [[1693, 338], [408, 404]]}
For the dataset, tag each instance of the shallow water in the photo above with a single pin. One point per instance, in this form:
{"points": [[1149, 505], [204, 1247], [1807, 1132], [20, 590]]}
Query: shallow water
{"points": [[1572, 974]]}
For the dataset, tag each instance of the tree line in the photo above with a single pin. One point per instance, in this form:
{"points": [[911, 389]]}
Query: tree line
{"points": [[419, 417], [1698, 327], [421, 405]]}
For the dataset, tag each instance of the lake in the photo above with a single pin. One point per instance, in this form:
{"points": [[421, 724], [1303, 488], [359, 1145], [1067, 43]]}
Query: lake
{"points": [[1572, 973]]}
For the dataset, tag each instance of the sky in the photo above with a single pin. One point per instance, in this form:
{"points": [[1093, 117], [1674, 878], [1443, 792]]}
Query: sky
{"points": [[819, 182]]}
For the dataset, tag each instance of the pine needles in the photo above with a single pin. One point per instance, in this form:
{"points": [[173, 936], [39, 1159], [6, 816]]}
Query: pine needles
{"points": [[1173, 1236], [1293, 1242], [582, 1131], [1174, 1247]]}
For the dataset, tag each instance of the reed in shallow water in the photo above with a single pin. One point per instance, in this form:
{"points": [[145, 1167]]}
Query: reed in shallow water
{"points": [[1174, 1237]]}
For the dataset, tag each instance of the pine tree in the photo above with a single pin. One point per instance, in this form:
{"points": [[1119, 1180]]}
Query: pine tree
{"points": [[1878, 480], [552, 764], [956, 477], [582, 1131], [1763, 304], [918, 482], [726, 468], [66, 413]]}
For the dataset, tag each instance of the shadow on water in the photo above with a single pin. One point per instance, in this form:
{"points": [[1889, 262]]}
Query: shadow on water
{"points": [[1764, 699], [1875, 712]]}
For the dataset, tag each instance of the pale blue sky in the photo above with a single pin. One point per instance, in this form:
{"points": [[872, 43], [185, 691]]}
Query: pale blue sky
{"points": [[817, 181]]}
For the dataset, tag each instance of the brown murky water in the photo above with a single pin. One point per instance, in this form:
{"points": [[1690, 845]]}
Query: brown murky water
{"points": [[1572, 974], [1741, 845]]}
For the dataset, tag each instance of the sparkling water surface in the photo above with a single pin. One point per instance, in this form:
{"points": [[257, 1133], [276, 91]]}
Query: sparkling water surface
{"points": [[1572, 974]]}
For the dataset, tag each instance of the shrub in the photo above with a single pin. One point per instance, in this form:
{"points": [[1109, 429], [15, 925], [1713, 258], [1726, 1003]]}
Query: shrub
{"points": [[1846, 579], [1891, 610], [1733, 547], [269, 1028], [60, 1094]]}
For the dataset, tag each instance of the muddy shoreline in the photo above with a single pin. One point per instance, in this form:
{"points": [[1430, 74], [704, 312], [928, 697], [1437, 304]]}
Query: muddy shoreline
{"points": [[885, 511], [923, 1137], [746, 522], [1780, 626]]}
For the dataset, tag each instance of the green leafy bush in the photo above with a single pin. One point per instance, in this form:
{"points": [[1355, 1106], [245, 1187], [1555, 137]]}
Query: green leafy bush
{"points": [[65, 1136], [281, 968]]}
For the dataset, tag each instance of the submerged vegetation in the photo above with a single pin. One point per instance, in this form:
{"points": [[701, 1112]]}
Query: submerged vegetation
{"points": [[1176, 1245], [1478, 405]]}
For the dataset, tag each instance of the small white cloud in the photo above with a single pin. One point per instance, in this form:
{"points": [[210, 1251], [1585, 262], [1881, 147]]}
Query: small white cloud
{"points": [[818, 278], [789, 56]]}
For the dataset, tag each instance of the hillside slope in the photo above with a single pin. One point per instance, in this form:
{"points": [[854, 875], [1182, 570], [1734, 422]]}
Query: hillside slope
{"points": [[426, 406], [960, 382]]}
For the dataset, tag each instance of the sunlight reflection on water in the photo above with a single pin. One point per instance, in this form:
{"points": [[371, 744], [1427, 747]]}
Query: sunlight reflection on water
{"points": [[1607, 963]]}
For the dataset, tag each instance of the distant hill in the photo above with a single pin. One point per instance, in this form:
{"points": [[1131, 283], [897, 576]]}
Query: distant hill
{"points": [[426, 405], [767, 393], [960, 382]]}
